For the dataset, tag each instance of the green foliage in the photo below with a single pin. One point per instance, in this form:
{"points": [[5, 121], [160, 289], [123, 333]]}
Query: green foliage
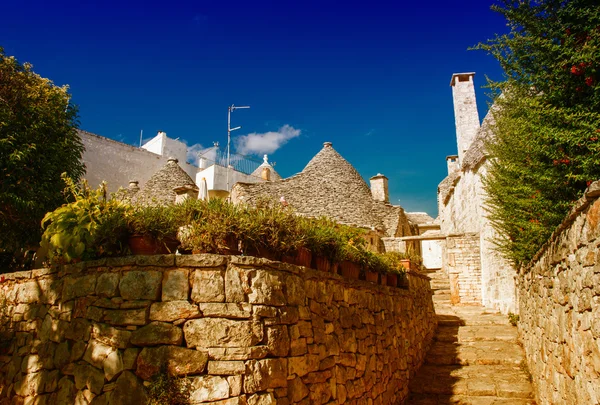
{"points": [[547, 121], [513, 319], [168, 390], [91, 226], [38, 142], [158, 221], [213, 226]]}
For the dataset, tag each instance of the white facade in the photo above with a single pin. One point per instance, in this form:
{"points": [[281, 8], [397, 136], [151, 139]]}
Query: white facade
{"points": [[118, 163], [162, 145], [216, 177]]}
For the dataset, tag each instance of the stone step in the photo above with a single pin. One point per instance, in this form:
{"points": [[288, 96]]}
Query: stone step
{"points": [[449, 320], [441, 292], [474, 381], [476, 333], [495, 352], [433, 399]]}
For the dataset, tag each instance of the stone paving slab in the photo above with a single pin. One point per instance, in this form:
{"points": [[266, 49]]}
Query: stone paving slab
{"points": [[417, 399], [476, 333], [477, 352], [479, 380], [475, 359]]}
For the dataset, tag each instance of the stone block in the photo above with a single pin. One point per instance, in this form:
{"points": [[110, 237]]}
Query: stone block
{"points": [[208, 388], [177, 361], [157, 333], [125, 317], [173, 310], [262, 399], [235, 284], [75, 287], [212, 332], [267, 288], [112, 365], [88, 376], [265, 374], [226, 310], [297, 390], [226, 367], [175, 285], [110, 335], [108, 285], [128, 390], [201, 260], [96, 353], [130, 358], [238, 353], [278, 340], [208, 286], [141, 285]]}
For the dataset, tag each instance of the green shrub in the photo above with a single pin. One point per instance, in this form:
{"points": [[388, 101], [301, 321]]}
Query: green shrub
{"points": [[159, 222], [91, 226], [546, 148]]}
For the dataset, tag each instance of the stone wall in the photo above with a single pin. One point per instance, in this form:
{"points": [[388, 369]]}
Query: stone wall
{"points": [[244, 331], [559, 308], [464, 268]]}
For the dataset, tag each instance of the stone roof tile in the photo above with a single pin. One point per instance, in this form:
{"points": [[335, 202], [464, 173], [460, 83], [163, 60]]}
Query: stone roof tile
{"points": [[159, 188], [328, 186]]}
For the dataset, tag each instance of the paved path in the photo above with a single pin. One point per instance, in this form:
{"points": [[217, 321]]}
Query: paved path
{"points": [[474, 360]]}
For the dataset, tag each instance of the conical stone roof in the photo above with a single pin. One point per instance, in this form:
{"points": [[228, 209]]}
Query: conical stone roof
{"points": [[258, 172], [158, 190], [328, 186]]}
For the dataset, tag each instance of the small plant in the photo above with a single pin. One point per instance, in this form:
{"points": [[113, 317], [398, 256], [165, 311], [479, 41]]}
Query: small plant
{"points": [[513, 319], [214, 227], [89, 227], [168, 390], [525, 369], [159, 222]]}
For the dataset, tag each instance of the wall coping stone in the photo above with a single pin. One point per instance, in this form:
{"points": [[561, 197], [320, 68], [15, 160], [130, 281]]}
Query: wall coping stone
{"points": [[589, 196]]}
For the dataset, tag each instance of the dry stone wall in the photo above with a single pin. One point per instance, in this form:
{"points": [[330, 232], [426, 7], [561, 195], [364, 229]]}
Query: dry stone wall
{"points": [[559, 307], [464, 268], [243, 330]]}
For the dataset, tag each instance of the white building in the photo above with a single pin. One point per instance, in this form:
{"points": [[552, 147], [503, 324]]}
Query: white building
{"points": [[119, 164]]}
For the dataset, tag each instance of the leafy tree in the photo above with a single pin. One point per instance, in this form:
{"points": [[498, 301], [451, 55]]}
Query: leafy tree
{"points": [[547, 122], [38, 142]]}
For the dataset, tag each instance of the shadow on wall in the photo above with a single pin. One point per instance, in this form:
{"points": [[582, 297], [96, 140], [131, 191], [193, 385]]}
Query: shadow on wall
{"points": [[442, 378]]}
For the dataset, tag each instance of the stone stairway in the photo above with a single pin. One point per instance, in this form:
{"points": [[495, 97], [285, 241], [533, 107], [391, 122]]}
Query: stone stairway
{"points": [[474, 360]]}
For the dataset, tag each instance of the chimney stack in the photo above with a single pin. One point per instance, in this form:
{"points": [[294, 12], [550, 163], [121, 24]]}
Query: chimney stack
{"points": [[379, 188], [265, 174], [465, 111], [452, 162]]}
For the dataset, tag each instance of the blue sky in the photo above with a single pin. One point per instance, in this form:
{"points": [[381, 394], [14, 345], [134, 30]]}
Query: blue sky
{"points": [[371, 77]]}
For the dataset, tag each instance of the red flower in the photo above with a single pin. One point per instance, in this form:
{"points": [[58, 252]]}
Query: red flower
{"points": [[589, 80], [575, 70], [588, 182], [2, 279]]}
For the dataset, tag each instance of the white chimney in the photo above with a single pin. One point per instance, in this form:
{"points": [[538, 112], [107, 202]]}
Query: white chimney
{"points": [[465, 111], [452, 162], [379, 188]]}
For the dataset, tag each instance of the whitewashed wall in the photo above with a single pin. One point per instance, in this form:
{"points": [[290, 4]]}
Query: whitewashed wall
{"points": [[118, 163]]}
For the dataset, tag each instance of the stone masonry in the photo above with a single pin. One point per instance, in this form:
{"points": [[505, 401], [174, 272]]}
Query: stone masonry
{"points": [[559, 307], [243, 330], [464, 268]]}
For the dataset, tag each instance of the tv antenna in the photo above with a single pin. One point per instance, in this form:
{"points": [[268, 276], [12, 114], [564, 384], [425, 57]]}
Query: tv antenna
{"points": [[229, 131]]}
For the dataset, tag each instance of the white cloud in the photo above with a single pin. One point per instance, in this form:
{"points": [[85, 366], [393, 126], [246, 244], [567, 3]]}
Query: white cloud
{"points": [[267, 142]]}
